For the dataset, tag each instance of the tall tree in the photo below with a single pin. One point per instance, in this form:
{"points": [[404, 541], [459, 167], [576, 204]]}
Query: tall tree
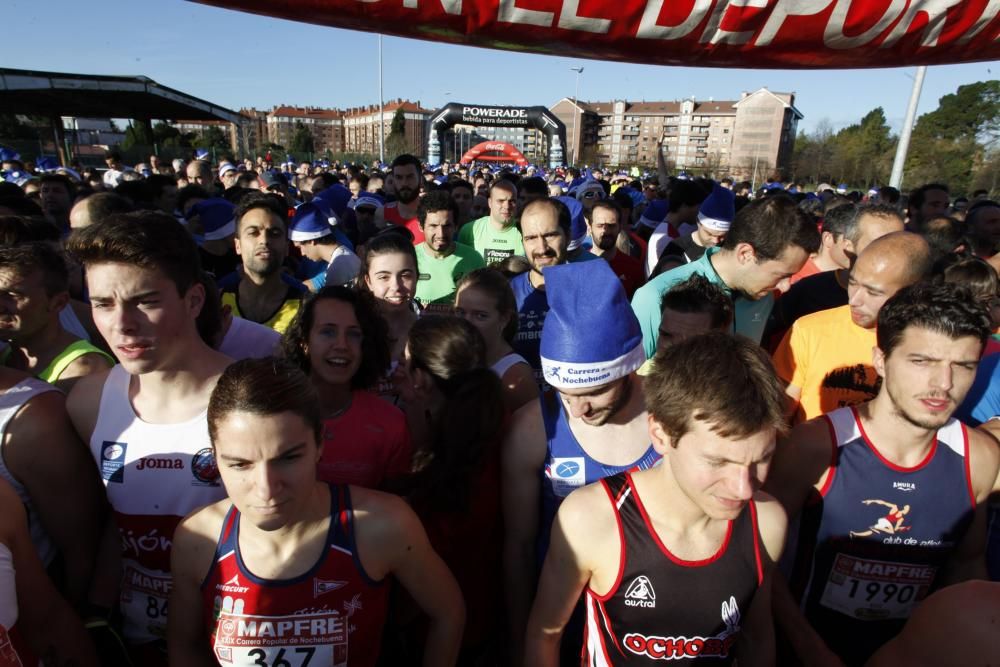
{"points": [[213, 137], [396, 143], [951, 142], [137, 134], [302, 140]]}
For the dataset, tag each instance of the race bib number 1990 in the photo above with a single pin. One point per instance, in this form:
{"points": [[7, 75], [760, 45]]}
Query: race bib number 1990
{"points": [[875, 590]]}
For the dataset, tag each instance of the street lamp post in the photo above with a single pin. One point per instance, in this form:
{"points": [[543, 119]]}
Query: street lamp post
{"points": [[576, 112], [381, 107]]}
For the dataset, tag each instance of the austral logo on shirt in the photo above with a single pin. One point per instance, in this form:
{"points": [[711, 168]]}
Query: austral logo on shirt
{"points": [[640, 593]]}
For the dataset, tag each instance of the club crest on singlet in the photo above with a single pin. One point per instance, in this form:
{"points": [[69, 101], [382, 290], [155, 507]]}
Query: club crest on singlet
{"points": [[566, 474], [682, 648], [113, 461]]}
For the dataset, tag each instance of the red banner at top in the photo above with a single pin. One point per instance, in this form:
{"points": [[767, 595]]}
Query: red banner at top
{"points": [[795, 34]]}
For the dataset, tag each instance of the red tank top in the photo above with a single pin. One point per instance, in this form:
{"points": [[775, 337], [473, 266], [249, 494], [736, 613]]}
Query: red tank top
{"points": [[392, 215], [331, 615]]}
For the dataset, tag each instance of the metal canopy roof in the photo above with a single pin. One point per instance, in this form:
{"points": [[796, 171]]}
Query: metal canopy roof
{"points": [[98, 96]]}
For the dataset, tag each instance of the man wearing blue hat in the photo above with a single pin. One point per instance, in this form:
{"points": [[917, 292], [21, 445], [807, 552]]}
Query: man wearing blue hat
{"points": [[310, 231], [262, 293], [675, 561], [441, 262], [715, 217], [589, 424], [213, 220], [769, 241]]}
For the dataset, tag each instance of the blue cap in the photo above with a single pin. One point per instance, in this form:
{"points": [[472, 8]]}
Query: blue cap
{"points": [[718, 210], [578, 224], [655, 213], [587, 297], [309, 223], [217, 217]]}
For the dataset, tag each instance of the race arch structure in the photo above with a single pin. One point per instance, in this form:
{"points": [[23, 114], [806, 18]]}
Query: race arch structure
{"points": [[485, 116], [508, 153]]}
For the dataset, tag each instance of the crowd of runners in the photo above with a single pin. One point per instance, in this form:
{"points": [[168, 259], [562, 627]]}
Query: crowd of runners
{"points": [[324, 414]]}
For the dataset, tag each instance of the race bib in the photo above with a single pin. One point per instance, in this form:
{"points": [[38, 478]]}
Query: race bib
{"points": [[143, 600], [296, 640], [566, 475], [876, 590]]}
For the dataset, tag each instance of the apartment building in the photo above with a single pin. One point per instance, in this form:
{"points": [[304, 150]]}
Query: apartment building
{"points": [[736, 137], [325, 125], [361, 127]]}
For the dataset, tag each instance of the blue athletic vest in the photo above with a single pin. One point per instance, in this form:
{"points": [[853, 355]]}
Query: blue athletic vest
{"points": [[882, 534], [532, 306], [568, 467]]}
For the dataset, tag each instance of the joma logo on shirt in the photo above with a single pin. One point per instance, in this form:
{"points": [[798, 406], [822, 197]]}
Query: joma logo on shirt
{"points": [[159, 463]]}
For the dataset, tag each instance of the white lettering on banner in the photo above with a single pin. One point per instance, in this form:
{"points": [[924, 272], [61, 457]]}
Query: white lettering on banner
{"points": [[989, 13], [782, 10], [569, 19], [936, 12], [650, 29], [834, 36], [839, 33], [494, 112], [715, 35], [508, 12]]}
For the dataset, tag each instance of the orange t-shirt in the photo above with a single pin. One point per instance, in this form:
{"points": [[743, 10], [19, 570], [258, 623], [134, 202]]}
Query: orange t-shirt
{"points": [[829, 358]]}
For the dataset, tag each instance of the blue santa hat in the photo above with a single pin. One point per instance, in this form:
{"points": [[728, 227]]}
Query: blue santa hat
{"points": [[842, 189], [584, 298], [201, 154], [718, 210], [654, 213], [333, 201], [8, 154], [367, 199], [46, 164], [577, 225], [217, 217], [309, 223], [589, 185]]}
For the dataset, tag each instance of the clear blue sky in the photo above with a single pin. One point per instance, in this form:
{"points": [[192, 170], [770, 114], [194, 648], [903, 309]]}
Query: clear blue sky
{"points": [[237, 60]]}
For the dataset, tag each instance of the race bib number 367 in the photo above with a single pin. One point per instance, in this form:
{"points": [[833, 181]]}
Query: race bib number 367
{"points": [[875, 590], [297, 640]]}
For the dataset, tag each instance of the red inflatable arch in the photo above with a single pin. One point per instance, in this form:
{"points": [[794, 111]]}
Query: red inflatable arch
{"points": [[507, 153]]}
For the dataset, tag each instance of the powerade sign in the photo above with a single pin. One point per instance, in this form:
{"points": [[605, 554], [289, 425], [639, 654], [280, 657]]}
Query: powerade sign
{"points": [[495, 116]]}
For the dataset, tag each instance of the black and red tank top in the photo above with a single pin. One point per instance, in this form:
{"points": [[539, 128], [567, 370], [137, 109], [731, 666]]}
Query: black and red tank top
{"points": [[331, 615], [662, 607]]}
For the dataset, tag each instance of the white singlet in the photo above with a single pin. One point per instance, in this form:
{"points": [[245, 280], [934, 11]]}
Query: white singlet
{"points": [[155, 474], [506, 362], [9, 653], [11, 401]]}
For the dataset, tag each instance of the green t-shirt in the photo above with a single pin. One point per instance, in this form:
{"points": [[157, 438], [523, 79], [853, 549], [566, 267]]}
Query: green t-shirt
{"points": [[437, 277], [492, 245]]}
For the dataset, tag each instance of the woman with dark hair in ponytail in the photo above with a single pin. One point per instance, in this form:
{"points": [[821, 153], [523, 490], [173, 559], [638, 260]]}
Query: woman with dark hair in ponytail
{"points": [[455, 487]]}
